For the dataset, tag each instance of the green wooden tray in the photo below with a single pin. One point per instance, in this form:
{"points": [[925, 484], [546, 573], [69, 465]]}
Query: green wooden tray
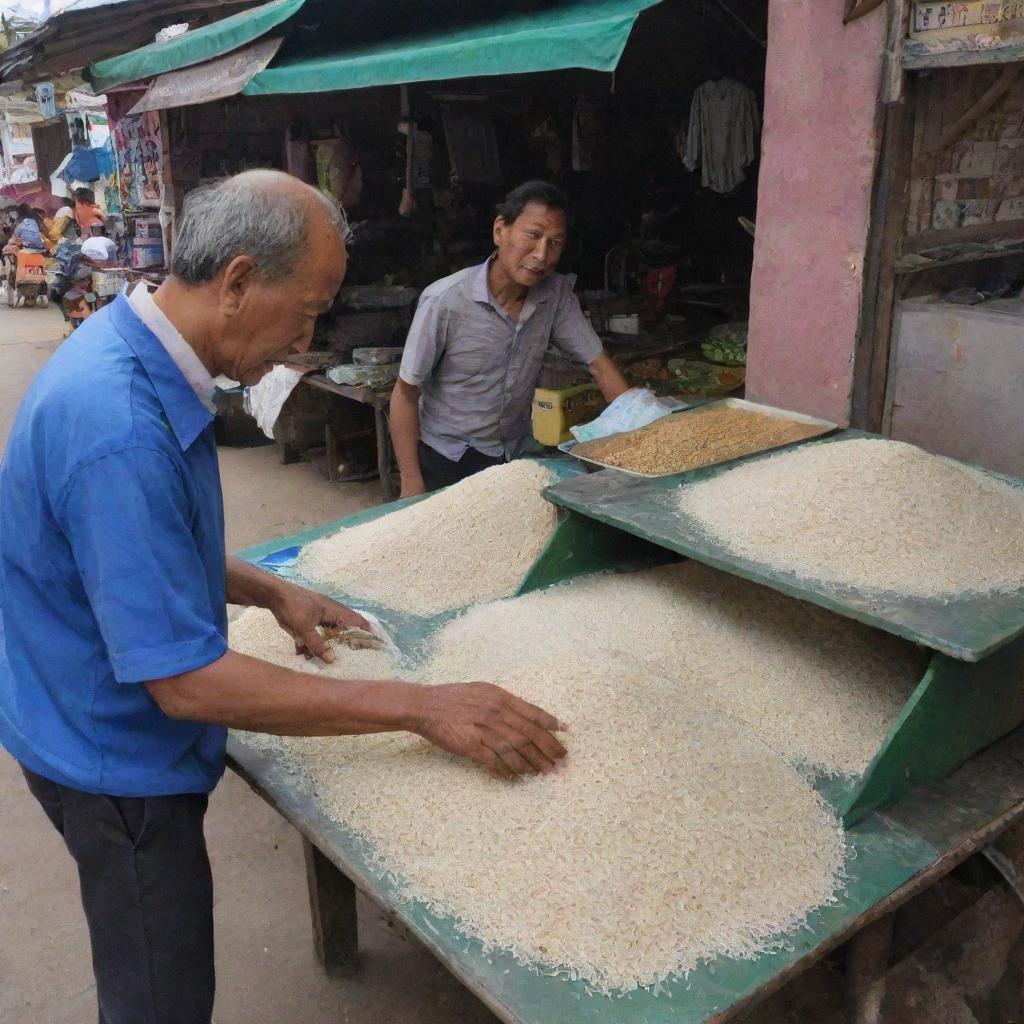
{"points": [[891, 856], [967, 628], [957, 709]]}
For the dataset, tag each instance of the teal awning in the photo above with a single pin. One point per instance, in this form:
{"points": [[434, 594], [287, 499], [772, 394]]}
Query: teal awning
{"points": [[581, 35], [193, 47]]}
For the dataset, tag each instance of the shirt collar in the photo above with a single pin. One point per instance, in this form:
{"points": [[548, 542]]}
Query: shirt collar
{"points": [[481, 290], [187, 415], [177, 347]]}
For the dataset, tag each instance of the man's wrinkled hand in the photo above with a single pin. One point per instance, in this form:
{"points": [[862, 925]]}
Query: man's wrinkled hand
{"points": [[300, 612], [506, 735]]}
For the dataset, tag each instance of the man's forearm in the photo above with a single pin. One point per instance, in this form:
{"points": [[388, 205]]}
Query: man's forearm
{"points": [[245, 693], [608, 377], [251, 586], [405, 434]]}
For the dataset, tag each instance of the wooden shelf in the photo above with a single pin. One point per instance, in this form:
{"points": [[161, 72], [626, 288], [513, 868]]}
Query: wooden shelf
{"points": [[975, 257], [1008, 53]]}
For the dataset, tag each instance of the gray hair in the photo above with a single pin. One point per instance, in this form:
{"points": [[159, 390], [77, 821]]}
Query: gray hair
{"points": [[247, 216]]}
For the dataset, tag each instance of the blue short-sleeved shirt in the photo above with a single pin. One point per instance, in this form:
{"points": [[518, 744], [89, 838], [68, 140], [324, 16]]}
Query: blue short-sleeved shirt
{"points": [[112, 566]]}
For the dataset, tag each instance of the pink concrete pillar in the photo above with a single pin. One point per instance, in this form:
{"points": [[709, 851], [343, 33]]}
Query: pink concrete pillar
{"points": [[814, 200]]}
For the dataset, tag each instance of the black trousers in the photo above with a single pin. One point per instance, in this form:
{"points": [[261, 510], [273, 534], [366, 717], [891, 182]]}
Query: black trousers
{"points": [[439, 471], [147, 893]]}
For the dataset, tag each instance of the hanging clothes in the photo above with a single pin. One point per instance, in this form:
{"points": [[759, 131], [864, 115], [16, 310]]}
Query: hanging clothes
{"points": [[722, 134]]}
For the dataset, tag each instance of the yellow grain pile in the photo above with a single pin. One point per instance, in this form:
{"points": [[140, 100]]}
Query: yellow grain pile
{"points": [[688, 440], [872, 514], [678, 829], [472, 542]]}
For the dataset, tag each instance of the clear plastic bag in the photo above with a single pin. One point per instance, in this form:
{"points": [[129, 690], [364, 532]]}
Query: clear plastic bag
{"points": [[635, 408]]}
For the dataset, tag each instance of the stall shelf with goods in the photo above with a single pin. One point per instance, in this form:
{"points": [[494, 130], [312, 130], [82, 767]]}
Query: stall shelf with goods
{"points": [[900, 834]]}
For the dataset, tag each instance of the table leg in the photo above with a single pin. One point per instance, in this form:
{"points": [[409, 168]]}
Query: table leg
{"points": [[332, 905], [332, 456], [288, 454], [867, 964], [383, 452]]}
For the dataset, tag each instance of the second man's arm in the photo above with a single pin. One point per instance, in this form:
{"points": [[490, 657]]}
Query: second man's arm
{"points": [[405, 436]]}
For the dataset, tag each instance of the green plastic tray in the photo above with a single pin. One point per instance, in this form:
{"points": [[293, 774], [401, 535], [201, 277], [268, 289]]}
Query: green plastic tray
{"points": [[967, 628]]}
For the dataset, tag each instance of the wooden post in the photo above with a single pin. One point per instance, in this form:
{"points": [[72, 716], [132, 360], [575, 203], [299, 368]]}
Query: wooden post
{"points": [[867, 963], [332, 907], [383, 450], [331, 445]]}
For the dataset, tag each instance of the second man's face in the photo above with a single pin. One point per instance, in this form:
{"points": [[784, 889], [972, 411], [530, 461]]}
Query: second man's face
{"points": [[530, 247]]}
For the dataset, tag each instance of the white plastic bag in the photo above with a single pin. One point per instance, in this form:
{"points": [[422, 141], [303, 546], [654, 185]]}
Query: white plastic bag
{"points": [[632, 409], [264, 401]]}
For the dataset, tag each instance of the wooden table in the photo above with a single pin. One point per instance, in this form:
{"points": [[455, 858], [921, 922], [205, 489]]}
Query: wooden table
{"points": [[899, 852], [379, 399]]}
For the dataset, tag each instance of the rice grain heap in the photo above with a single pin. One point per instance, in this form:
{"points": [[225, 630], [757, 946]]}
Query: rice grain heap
{"points": [[256, 633], [664, 842], [818, 688], [473, 542], [873, 514], [669, 836], [700, 437]]}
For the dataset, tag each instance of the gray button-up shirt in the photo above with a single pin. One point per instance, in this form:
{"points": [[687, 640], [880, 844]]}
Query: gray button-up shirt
{"points": [[477, 368]]}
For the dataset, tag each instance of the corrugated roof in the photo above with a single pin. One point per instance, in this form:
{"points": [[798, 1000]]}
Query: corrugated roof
{"points": [[90, 30]]}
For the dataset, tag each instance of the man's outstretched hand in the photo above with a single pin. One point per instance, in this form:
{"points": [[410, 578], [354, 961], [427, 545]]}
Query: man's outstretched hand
{"points": [[506, 735]]}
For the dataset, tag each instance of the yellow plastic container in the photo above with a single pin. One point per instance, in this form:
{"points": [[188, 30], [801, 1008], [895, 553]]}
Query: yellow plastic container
{"points": [[556, 410]]}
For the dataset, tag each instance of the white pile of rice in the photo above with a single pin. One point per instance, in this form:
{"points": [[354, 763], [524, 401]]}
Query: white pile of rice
{"points": [[473, 542], [677, 831], [255, 632], [818, 688], [873, 514]]}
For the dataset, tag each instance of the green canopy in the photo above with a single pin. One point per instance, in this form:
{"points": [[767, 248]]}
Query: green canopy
{"points": [[193, 47], [581, 35]]}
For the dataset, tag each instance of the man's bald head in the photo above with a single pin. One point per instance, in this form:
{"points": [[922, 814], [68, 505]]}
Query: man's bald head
{"points": [[269, 216]]}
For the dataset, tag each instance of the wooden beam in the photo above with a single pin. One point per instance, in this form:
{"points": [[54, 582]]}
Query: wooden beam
{"points": [[892, 70], [888, 219], [747, 30], [867, 962], [973, 233], [977, 110], [858, 8]]}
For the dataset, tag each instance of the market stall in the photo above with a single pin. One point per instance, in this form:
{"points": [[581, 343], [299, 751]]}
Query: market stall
{"points": [[418, 137], [943, 781]]}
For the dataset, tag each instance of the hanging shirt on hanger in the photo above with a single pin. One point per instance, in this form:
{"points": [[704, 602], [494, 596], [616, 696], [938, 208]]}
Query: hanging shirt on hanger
{"points": [[722, 135]]}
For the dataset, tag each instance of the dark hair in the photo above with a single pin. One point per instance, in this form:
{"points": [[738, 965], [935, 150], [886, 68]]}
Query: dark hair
{"points": [[85, 195], [24, 210], [532, 192]]}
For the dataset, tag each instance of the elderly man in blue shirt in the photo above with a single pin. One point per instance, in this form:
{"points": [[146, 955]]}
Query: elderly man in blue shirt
{"points": [[116, 681], [464, 393]]}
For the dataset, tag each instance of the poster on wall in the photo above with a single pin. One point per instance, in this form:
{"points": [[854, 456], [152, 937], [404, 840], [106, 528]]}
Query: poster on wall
{"points": [[138, 148]]}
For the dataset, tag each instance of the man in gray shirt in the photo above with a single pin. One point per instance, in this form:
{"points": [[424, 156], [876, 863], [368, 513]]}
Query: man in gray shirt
{"points": [[464, 393]]}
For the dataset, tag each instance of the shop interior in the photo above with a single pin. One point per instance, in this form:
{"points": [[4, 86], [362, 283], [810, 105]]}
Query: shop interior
{"points": [[662, 253]]}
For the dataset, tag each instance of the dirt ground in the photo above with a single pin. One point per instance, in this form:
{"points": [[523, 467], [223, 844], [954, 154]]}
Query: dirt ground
{"points": [[266, 973], [958, 956]]}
